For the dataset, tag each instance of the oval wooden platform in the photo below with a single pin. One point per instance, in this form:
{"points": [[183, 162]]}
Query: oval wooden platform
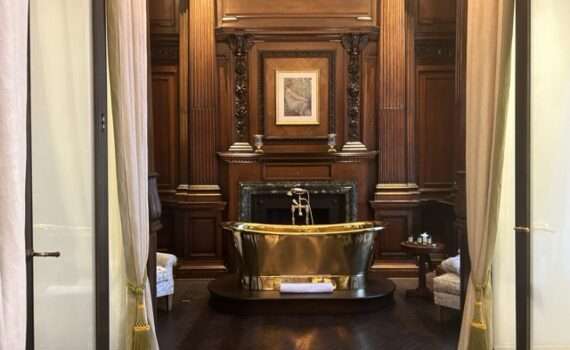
{"points": [[227, 295]]}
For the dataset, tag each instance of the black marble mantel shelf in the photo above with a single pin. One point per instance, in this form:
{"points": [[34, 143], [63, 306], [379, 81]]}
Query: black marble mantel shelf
{"points": [[333, 157]]}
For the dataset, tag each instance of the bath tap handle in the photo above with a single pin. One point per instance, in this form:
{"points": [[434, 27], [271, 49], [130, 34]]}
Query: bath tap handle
{"points": [[293, 214]]}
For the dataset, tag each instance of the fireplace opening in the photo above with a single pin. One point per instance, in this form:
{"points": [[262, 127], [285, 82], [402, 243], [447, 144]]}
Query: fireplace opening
{"points": [[267, 202]]}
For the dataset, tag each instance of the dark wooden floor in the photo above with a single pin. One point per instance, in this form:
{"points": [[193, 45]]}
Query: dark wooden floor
{"points": [[409, 324]]}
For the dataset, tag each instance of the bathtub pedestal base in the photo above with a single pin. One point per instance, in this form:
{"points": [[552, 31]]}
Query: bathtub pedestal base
{"points": [[227, 295]]}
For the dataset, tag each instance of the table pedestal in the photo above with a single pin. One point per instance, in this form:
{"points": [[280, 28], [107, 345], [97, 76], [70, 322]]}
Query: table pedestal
{"points": [[422, 251], [422, 290]]}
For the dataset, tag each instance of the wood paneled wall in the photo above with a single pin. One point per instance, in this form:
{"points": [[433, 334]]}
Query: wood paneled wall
{"points": [[416, 120], [403, 154]]}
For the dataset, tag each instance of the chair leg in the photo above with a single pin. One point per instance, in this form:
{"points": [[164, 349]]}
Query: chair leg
{"points": [[169, 300]]}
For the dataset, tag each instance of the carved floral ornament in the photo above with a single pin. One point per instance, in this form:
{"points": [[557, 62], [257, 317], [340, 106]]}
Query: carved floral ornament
{"points": [[354, 44], [240, 45]]}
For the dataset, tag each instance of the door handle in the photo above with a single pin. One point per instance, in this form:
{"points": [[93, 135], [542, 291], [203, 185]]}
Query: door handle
{"points": [[45, 254]]}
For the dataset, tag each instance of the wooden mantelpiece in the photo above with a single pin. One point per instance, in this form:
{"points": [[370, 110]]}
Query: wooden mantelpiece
{"points": [[341, 157], [298, 166]]}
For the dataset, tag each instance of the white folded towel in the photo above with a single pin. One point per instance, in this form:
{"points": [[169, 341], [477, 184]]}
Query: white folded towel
{"points": [[321, 287]]}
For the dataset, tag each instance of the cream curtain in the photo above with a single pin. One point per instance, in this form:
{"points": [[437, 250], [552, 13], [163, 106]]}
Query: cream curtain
{"points": [[13, 97], [489, 34], [127, 42]]}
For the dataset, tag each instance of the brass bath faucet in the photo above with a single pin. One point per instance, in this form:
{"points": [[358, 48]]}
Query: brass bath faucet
{"points": [[302, 203]]}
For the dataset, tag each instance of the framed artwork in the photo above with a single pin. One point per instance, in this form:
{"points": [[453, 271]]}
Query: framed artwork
{"points": [[297, 97]]}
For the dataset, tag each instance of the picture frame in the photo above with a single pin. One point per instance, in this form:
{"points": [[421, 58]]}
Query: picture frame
{"points": [[297, 97]]}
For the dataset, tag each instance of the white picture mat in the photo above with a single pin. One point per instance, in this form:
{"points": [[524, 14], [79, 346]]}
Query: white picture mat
{"points": [[311, 118]]}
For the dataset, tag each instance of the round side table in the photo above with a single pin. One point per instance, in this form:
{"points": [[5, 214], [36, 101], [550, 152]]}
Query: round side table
{"points": [[422, 251]]}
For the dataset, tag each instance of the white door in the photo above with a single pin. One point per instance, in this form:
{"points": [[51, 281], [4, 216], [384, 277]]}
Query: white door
{"points": [[62, 157]]}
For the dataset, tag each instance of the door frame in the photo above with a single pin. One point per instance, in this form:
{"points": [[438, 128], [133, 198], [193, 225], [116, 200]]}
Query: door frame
{"points": [[523, 174], [101, 243]]}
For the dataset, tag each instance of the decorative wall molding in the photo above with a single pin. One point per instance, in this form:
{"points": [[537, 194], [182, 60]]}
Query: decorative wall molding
{"points": [[330, 55], [354, 44], [240, 45], [296, 13]]}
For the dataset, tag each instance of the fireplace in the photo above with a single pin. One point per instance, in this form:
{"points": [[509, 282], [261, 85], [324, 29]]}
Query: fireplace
{"points": [[267, 202]]}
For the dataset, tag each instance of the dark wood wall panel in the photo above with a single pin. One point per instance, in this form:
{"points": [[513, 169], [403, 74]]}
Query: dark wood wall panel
{"points": [[404, 152], [437, 219], [166, 234], [436, 15], [435, 111], [165, 126], [416, 120], [295, 171], [436, 11], [296, 13], [203, 242], [398, 223], [163, 16]]}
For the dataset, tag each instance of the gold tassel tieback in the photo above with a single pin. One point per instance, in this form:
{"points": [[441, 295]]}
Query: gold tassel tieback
{"points": [[141, 328], [478, 338]]}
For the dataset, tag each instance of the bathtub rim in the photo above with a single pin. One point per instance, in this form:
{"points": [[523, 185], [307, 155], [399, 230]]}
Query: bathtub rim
{"points": [[355, 227]]}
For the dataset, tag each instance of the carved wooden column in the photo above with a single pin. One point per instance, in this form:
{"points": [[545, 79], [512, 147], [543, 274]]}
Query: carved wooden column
{"points": [[203, 102], [397, 195], [354, 44], [183, 103], [240, 44], [199, 206]]}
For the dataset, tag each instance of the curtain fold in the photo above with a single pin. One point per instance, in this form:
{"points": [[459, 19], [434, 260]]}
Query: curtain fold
{"points": [[127, 43], [13, 101], [489, 35]]}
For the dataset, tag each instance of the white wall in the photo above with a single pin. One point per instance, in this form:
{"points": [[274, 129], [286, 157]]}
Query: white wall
{"points": [[550, 157]]}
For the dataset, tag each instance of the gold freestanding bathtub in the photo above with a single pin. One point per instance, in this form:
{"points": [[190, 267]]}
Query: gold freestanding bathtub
{"points": [[273, 254]]}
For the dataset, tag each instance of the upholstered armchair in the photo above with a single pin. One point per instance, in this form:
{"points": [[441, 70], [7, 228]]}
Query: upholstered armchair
{"points": [[446, 284], [165, 277]]}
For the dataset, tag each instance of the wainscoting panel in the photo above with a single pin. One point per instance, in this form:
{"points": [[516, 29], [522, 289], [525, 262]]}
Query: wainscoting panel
{"points": [[435, 113], [296, 13], [163, 16], [165, 126]]}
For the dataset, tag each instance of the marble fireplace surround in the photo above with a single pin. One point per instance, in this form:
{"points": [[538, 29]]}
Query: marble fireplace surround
{"points": [[267, 202]]}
